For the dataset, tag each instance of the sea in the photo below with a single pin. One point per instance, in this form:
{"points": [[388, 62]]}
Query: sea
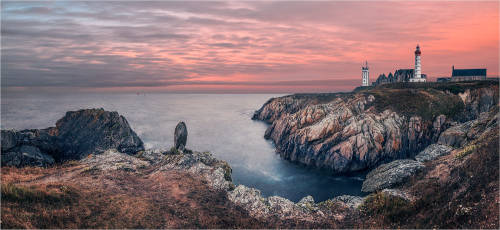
{"points": [[218, 123]]}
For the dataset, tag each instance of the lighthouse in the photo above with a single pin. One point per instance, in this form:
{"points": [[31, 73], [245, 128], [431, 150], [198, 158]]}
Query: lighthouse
{"points": [[417, 73], [365, 75]]}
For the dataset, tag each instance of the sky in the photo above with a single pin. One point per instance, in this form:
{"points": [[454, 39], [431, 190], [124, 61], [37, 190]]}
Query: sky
{"points": [[235, 46]]}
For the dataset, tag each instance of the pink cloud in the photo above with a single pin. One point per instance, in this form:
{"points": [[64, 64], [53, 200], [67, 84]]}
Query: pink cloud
{"points": [[110, 45]]}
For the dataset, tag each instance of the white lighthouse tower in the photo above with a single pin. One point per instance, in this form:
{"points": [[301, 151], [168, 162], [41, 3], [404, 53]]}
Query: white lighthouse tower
{"points": [[417, 73], [365, 75]]}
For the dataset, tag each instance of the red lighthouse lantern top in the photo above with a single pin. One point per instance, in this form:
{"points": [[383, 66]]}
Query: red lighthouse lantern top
{"points": [[417, 52]]}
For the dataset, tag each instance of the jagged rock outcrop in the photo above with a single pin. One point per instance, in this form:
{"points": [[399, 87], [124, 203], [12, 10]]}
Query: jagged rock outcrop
{"points": [[76, 135], [478, 101], [216, 172], [349, 201], [92, 131], [390, 174], [455, 136], [31, 147], [347, 132], [461, 134], [180, 136]]}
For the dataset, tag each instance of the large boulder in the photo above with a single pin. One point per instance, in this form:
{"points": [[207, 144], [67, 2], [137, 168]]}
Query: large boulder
{"points": [[180, 136], [93, 131], [26, 155], [432, 152], [76, 135], [390, 174]]}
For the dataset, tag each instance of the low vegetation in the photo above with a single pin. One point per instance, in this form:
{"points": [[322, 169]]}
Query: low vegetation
{"points": [[452, 87], [66, 198], [391, 209], [426, 103], [466, 151]]}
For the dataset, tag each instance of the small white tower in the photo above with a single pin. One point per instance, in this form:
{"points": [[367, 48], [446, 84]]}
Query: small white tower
{"points": [[365, 75], [417, 73]]}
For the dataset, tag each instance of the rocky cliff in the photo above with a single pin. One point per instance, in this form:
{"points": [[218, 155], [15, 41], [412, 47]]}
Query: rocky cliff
{"points": [[347, 132]]}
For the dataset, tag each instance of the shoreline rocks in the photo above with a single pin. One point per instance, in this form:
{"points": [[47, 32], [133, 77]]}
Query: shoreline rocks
{"points": [[76, 135], [306, 209]]}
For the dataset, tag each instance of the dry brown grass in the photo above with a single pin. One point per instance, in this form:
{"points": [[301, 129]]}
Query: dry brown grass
{"points": [[46, 198]]}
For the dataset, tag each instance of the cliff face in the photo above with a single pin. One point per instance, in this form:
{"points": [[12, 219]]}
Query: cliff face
{"points": [[356, 131]]}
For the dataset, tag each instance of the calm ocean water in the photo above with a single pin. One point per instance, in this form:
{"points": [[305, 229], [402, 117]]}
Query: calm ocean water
{"points": [[219, 123]]}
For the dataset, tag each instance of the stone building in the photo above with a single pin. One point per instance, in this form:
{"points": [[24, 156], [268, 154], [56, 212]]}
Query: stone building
{"points": [[400, 75], [467, 74]]}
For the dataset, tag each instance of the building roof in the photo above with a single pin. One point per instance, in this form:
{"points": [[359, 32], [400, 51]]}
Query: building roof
{"points": [[468, 72]]}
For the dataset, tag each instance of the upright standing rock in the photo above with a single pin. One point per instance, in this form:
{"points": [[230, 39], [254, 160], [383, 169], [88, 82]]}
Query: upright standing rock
{"points": [[180, 136]]}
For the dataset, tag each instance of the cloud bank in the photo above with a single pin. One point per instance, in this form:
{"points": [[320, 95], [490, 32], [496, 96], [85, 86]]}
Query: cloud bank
{"points": [[237, 46]]}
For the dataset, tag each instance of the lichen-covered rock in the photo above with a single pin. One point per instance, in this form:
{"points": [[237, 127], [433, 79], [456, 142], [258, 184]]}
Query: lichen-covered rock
{"points": [[307, 202], [216, 172], [114, 160], [154, 156], [432, 152], [399, 193], [349, 201], [180, 136], [250, 199], [26, 155], [390, 174], [93, 131], [274, 206]]}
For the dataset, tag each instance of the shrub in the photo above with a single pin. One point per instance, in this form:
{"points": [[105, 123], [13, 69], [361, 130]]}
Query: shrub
{"points": [[466, 151], [389, 208]]}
